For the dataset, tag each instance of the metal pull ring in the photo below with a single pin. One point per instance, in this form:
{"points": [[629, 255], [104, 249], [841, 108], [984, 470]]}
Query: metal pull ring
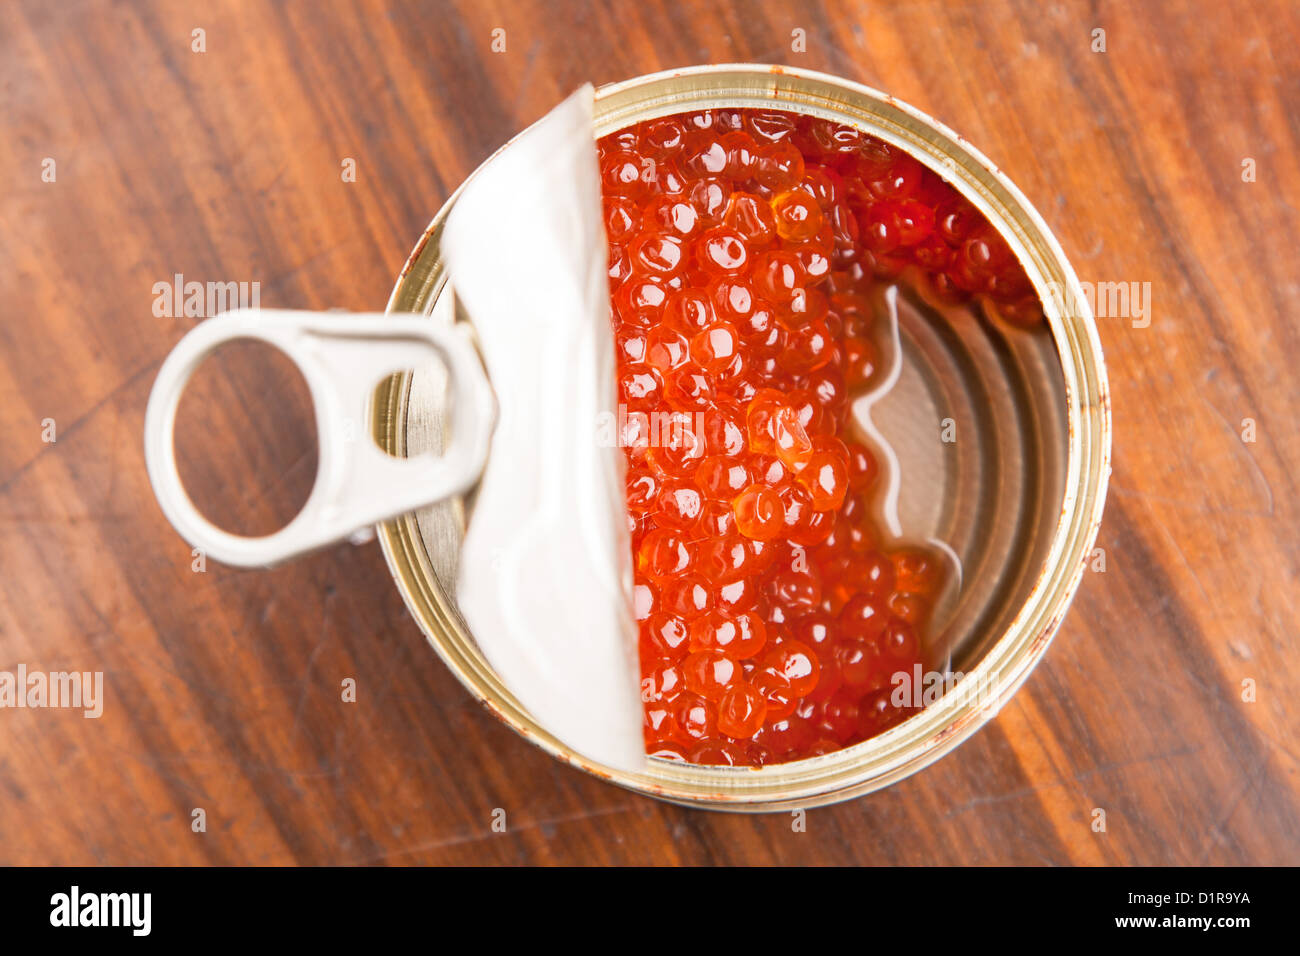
{"points": [[342, 357]]}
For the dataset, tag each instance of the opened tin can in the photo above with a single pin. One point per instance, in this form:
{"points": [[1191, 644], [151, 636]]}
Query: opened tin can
{"points": [[1022, 494]]}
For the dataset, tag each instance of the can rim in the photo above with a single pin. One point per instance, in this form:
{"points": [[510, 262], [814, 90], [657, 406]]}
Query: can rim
{"points": [[941, 726]]}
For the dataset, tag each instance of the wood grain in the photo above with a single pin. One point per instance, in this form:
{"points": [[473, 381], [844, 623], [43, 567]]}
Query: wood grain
{"points": [[222, 686]]}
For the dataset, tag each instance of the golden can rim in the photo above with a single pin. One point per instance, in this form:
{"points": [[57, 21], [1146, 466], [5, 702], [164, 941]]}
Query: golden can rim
{"points": [[940, 727]]}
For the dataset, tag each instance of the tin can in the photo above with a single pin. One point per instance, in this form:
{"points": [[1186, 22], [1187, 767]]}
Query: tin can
{"points": [[1024, 498]]}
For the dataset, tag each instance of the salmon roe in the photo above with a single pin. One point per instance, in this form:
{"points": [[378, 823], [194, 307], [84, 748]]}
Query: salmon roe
{"points": [[742, 243]]}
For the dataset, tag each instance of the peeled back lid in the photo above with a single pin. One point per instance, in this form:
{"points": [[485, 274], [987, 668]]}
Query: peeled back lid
{"points": [[545, 577]]}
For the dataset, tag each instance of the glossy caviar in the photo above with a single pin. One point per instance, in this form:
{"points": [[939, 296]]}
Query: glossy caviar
{"points": [[742, 246]]}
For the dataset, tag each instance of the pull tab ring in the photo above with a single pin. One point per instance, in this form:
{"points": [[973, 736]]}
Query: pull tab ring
{"points": [[342, 357]]}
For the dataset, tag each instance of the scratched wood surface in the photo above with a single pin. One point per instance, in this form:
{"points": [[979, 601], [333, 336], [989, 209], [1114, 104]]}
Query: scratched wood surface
{"points": [[222, 687]]}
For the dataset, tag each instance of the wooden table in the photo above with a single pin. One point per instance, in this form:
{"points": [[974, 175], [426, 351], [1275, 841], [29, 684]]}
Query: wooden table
{"points": [[222, 687]]}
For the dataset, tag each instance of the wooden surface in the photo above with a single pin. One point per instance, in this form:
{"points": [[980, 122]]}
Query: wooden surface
{"points": [[222, 687]]}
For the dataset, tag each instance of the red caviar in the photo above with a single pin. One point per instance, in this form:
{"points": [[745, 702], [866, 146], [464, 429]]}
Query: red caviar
{"points": [[742, 243]]}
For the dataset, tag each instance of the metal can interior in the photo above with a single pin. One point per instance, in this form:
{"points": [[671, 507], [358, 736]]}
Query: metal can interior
{"points": [[1023, 501]]}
